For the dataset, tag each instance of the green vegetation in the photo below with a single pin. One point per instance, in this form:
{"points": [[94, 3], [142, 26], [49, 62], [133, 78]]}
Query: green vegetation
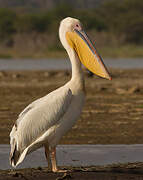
{"points": [[7, 20], [116, 25]]}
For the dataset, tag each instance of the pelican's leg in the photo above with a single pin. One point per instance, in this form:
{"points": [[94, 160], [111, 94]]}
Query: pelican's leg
{"points": [[54, 161], [47, 154]]}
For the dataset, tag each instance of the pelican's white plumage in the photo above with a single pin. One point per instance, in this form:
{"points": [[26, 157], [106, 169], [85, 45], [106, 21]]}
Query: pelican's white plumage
{"points": [[46, 120]]}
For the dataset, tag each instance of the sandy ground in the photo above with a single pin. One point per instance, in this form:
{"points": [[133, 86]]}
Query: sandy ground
{"points": [[112, 113]]}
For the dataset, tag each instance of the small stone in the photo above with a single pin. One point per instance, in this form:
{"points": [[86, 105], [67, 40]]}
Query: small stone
{"points": [[39, 168], [60, 74], [134, 89], [15, 76], [66, 73], [15, 175], [120, 91], [2, 74], [47, 74], [65, 176]]}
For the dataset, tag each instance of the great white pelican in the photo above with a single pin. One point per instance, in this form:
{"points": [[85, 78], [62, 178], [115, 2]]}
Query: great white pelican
{"points": [[46, 120]]}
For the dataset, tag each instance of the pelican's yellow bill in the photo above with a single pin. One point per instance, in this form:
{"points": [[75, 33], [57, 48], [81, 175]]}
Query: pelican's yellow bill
{"points": [[87, 53]]}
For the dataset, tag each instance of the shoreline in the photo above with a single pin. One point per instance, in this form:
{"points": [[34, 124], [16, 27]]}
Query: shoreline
{"points": [[125, 51], [129, 171]]}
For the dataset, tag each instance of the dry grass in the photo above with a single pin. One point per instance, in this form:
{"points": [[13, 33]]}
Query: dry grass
{"points": [[47, 45]]}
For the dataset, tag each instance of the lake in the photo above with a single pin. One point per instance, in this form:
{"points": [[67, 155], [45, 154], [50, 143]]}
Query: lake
{"points": [[62, 64], [79, 155]]}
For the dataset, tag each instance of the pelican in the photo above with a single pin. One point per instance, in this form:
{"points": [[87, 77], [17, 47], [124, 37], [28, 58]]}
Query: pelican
{"points": [[46, 120]]}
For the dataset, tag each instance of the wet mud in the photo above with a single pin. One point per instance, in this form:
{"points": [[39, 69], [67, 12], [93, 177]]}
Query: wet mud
{"points": [[114, 172]]}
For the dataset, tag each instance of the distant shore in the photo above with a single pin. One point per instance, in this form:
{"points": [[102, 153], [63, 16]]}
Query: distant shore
{"points": [[125, 51]]}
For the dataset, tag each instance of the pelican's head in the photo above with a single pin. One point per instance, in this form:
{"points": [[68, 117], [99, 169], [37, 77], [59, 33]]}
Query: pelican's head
{"points": [[73, 36]]}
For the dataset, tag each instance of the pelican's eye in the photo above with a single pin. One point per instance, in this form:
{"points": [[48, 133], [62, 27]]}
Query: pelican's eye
{"points": [[77, 27]]}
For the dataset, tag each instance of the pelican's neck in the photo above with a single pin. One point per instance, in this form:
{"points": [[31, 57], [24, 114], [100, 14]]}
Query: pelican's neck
{"points": [[77, 73]]}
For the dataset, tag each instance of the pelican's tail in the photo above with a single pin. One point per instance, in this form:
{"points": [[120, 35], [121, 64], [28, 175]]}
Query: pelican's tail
{"points": [[14, 154], [16, 157]]}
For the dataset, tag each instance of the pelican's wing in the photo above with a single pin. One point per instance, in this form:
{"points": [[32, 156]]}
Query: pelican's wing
{"points": [[29, 107], [42, 115]]}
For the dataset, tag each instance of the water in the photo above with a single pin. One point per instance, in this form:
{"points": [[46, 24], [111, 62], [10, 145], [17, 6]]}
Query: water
{"points": [[125, 63], [38, 64], [60, 64], [79, 155]]}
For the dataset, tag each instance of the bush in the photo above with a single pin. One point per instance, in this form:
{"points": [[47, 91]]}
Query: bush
{"points": [[33, 22], [124, 18], [7, 20]]}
